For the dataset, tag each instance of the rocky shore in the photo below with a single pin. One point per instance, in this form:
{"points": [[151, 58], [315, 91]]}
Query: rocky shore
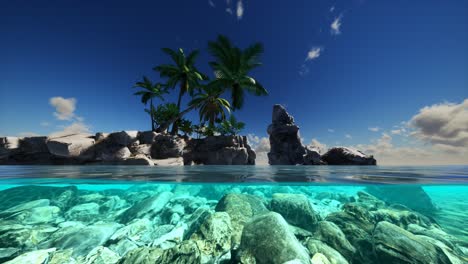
{"points": [[194, 224], [127, 148]]}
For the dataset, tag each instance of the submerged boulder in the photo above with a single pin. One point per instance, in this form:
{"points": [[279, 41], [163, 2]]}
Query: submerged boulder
{"points": [[151, 205], [285, 143], [331, 234], [347, 156], [268, 239], [295, 208]]}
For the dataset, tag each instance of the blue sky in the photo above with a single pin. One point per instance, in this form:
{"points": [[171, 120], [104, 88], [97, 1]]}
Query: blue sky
{"points": [[340, 67]]}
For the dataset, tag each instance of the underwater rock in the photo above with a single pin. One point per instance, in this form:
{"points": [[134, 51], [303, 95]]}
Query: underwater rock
{"points": [[401, 218], [8, 253], [138, 230], [81, 239], [434, 233], [87, 212], [331, 234], [24, 207], [214, 237], [13, 235], [101, 255], [268, 239], [316, 246], [412, 196], [393, 244], [142, 255], [347, 156], [62, 197], [369, 201], [33, 257], [123, 138], [285, 143], [62, 257], [39, 215], [151, 205], [241, 208], [72, 146], [295, 208], [167, 146], [319, 258]]}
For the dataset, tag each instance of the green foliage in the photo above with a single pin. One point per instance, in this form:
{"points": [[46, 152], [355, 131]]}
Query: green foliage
{"points": [[148, 92], [186, 126], [163, 113], [210, 106], [231, 126], [232, 67]]}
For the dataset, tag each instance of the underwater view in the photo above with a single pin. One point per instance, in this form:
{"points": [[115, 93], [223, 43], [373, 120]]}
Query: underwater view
{"points": [[237, 214]]}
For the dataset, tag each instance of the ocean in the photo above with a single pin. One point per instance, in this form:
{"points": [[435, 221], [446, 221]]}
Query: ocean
{"points": [[233, 214]]}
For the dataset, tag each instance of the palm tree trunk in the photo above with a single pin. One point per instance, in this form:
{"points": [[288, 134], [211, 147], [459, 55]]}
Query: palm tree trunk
{"points": [[151, 114], [175, 126], [163, 127]]}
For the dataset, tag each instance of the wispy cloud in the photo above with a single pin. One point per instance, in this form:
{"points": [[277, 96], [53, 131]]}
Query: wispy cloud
{"points": [[348, 136], [210, 2], [374, 129], [331, 130], [332, 8], [314, 53], [303, 70], [45, 124], [239, 9], [74, 128], [336, 25], [396, 132]]}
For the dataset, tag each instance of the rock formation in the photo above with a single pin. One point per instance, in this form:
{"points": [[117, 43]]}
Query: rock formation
{"points": [[126, 148], [286, 147]]}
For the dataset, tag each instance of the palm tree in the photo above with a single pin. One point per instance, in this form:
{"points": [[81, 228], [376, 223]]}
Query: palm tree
{"points": [[183, 72], [232, 67], [149, 92], [210, 106]]}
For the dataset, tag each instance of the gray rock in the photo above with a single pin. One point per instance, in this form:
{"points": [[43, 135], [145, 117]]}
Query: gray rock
{"points": [[285, 143], [8, 146], [148, 206], [72, 146], [347, 156], [62, 257], [142, 255], [295, 208], [142, 149], [123, 138], [241, 208], [115, 154], [268, 239], [24, 207], [147, 137], [312, 157], [101, 255], [8, 253], [331, 234], [100, 136], [40, 215], [393, 244], [138, 160], [167, 146]]}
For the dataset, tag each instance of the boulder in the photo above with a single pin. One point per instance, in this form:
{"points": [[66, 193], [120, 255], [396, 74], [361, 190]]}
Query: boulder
{"points": [[347, 156], [72, 146], [142, 255], [87, 212], [167, 146], [114, 153], [33, 257], [101, 255], [331, 234], [214, 237], [312, 157], [219, 150], [100, 136], [137, 160], [316, 246], [8, 253], [8, 145], [142, 149], [285, 143], [39, 215], [241, 208], [268, 239], [295, 208], [147, 137], [123, 138], [148, 206], [393, 244]]}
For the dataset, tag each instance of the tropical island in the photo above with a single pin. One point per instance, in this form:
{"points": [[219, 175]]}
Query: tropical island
{"points": [[217, 140]]}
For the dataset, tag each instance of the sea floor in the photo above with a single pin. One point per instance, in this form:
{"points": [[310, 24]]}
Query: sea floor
{"points": [[232, 223]]}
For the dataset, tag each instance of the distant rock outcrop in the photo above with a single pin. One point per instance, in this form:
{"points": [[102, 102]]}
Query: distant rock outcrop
{"points": [[127, 148], [285, 144], [286, 147]]}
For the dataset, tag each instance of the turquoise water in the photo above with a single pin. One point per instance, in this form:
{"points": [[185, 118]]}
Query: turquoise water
{"points": [[233, 214]]}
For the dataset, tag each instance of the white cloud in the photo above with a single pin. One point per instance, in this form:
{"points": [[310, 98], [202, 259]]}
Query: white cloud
{"points": [[322, 147], [303, 70], [336, 25], [396, 132], [314, 53], [348, 136], [261, 146], [229, 10], [374, 129], [210, 2], [45, 124], [331, 130], [240, 9], [74, 128], [332, 8], [64, 107], [442, 124]]}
